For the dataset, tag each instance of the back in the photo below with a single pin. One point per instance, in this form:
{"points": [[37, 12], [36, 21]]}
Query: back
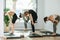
{"points": [[34, 14]]}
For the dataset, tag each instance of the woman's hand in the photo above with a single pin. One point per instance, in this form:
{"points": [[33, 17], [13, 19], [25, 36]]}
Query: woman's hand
{"points": [[33, 23], [56, 21]]}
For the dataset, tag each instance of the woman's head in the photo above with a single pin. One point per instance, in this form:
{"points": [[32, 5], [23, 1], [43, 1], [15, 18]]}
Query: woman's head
{"points": [[50, 18], [45, 19], [11, 13], [26, 13]]}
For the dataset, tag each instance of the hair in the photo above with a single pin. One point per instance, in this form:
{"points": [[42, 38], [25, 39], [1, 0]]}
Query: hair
{"points": [[26, 12], [45, 19], [31, 11], [20, 15]]}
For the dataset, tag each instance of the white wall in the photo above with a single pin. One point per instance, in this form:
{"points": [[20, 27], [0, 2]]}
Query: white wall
{"points": [[51, 7], [40, 12], [46, 8], [1, 18]]}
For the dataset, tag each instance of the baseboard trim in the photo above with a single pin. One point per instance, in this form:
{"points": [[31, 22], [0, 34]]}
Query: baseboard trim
{"points": [[27, 29]]}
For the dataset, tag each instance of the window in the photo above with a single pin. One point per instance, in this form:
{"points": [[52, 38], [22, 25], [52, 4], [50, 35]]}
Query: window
{"points": [[9, 4], [25, 4], [21, 5]]}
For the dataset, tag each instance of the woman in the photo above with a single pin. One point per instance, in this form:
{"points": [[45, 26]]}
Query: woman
{"points": [[26, 19], [13, 18], [55, 20], [33, 17]]}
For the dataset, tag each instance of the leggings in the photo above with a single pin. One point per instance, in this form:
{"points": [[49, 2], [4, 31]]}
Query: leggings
{"points": [[54, 27], [33, 27], [25, 23]]}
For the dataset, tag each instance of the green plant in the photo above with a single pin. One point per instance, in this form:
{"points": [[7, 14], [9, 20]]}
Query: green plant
{"points": [[6, 20], [6, 9]]}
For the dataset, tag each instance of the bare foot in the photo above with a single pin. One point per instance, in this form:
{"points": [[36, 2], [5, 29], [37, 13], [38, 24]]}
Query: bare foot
{"points": [[25, 29], [54, 34], [33, 32]]}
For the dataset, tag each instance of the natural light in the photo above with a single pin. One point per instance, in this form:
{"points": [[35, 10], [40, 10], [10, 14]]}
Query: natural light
{"points": [[21, 4]]}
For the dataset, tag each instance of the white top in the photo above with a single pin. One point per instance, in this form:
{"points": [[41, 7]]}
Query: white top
{"points": [[54, 16]]}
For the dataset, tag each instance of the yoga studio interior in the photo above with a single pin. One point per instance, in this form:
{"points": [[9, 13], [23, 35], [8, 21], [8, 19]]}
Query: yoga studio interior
{"points": [[31, 19]]}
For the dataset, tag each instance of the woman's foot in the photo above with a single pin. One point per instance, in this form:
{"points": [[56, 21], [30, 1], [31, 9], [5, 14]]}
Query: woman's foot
{"points": [[11, 33], [32, 32], [54, 34], [25, 29]]}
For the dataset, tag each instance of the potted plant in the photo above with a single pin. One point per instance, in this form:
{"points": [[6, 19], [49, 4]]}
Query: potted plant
{"points": [[6, 21], [5, 10]]}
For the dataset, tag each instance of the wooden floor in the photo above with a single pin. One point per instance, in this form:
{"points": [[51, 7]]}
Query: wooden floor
{"points": [[39, 38]]}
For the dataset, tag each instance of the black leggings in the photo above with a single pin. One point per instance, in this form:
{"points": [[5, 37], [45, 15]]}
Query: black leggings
{"points": [[33, 27]]}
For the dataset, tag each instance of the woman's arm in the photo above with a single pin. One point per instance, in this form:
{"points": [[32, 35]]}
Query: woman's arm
{"points": [[31, 18], [52, 18]]}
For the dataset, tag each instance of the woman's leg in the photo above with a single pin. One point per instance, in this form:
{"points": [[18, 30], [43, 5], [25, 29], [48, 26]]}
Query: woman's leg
{"points": [[54, 29], [12, 28], [25, 24], [33, 28]]}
